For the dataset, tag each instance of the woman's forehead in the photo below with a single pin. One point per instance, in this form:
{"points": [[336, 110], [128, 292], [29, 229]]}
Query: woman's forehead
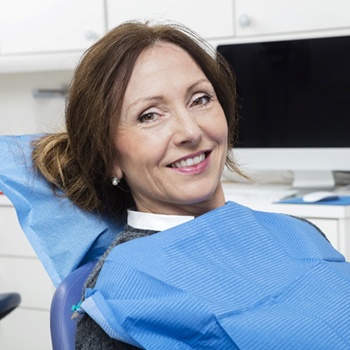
{"points": [[162, 65]]}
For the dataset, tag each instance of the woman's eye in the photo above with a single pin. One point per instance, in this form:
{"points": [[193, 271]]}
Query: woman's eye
{"points": [[148, 117], [202, 100]]}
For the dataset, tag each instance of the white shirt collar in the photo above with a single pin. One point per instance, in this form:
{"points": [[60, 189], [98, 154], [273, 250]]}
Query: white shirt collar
{"points": [[155, 222]]}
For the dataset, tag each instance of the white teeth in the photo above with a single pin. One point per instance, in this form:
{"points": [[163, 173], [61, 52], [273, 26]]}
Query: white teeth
{"points": [[189, 161]]}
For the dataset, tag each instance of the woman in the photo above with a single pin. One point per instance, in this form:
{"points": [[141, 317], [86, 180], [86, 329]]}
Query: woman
{"points": [[150, 121], [88, 151]]}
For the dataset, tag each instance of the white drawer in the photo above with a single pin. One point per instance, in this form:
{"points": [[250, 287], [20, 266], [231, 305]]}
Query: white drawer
{"points": [[28, 277], [25, 329]]}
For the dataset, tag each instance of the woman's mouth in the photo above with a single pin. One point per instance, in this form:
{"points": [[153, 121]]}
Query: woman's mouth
{"points": [[189, 162]]}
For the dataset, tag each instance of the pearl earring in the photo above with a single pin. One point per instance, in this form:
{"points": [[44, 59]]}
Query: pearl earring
{"points": [[115, 181]]}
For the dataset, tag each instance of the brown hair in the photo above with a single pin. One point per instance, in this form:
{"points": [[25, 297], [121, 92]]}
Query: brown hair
{"points": [[79, 161]]}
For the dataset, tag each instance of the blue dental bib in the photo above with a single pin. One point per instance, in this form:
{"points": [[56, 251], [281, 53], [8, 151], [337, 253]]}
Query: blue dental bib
{"points": [[233, 278]]}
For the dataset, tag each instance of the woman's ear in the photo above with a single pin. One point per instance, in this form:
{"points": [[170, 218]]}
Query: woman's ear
{"points": [[117, 170]]}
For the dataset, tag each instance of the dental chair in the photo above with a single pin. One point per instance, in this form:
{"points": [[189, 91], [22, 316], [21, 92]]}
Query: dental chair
{"points": [[68, 293]]}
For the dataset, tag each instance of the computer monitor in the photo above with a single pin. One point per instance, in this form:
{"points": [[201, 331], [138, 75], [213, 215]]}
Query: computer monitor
{"points": [[294, 107]]}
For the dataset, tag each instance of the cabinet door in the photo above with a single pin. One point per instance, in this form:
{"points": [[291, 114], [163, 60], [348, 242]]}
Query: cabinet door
{"points": [[39, 26], [204, 17], [256, 17], [25, 328], [27, 277]]}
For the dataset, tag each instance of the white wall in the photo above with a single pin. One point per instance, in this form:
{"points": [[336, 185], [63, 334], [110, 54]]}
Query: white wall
{"points": [[21, 113]]}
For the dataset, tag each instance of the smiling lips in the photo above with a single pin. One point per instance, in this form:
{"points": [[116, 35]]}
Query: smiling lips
{"points": [[189, 162]]}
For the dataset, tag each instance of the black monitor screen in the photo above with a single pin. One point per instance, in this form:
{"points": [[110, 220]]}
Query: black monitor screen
{"points": [[292, 93]]}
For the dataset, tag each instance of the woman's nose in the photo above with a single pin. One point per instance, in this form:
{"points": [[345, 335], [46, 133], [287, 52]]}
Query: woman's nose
{"points": [[187, 129]]}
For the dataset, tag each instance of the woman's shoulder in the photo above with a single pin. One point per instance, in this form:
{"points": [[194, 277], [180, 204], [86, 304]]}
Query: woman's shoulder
{"points": [[129, 233]]}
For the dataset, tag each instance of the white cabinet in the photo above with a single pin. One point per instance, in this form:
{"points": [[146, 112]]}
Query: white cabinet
{"points": [[28, 326], [208, 19], [25, 329], [42, 35], [46, 26], [256, 17]]}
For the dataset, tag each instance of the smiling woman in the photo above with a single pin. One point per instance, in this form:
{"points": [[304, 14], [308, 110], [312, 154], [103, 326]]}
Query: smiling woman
{"points": [[151, 114], [114, 110], [184, 163]]}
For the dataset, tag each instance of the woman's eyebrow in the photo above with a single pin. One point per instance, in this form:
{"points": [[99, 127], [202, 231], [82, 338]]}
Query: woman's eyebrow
{"points": [[199, 82], [158, 98], [145, 99]]}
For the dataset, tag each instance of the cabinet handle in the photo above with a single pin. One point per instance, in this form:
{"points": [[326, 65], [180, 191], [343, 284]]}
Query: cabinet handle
{"points": [[244, 20], [50, 93]]}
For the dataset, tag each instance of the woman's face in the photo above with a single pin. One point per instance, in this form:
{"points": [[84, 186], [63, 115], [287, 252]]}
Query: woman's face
{"points": [[172, 137]]}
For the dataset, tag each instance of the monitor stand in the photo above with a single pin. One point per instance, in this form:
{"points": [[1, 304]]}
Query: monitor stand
{"points": [[314, 179]]}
